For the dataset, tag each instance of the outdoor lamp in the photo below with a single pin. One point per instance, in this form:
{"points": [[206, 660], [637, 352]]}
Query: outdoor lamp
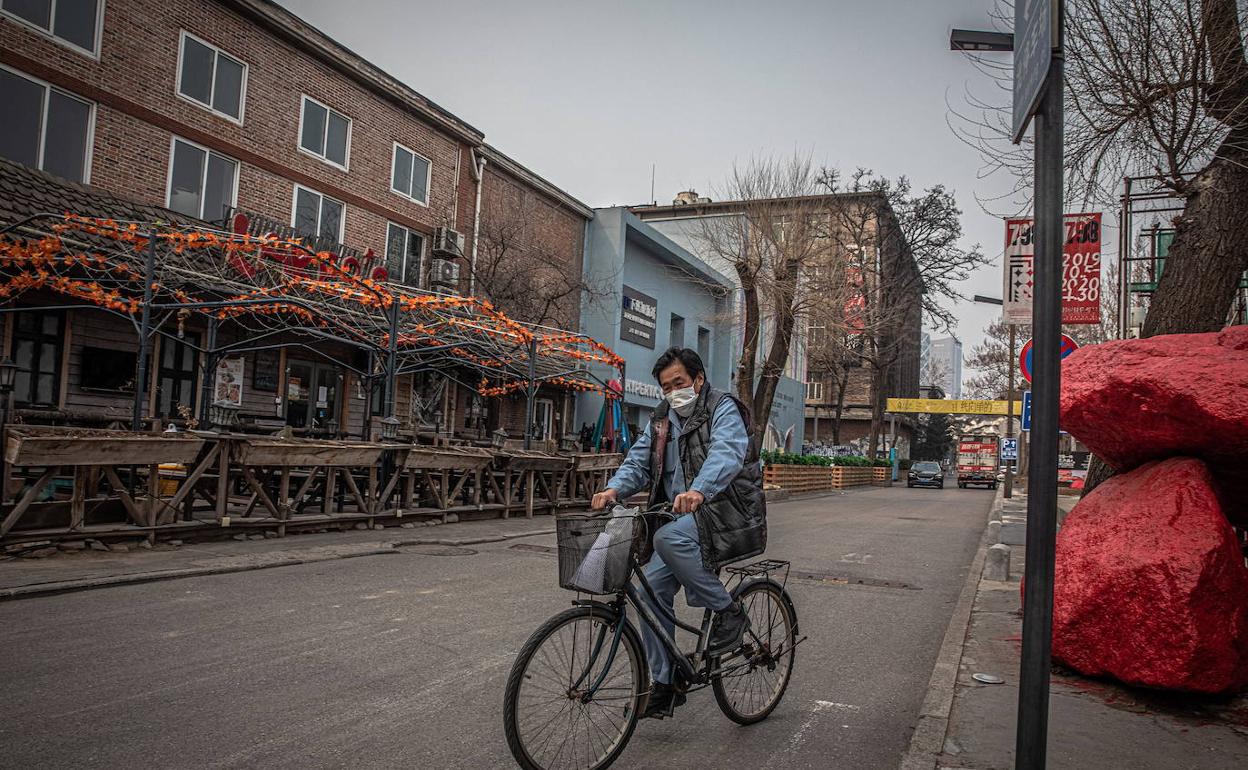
{"points": [[332, 427], [390, 427], [8, 373]]}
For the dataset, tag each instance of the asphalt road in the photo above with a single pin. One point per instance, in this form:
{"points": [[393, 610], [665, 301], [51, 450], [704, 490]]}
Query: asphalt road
{"points": [[400, 660]]}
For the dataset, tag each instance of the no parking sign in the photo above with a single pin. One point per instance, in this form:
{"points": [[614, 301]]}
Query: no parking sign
{"points": [[1024, 357]]}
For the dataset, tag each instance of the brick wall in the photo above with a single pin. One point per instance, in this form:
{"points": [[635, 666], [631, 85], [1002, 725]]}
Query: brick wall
{"points": [[133, 82], [546, 235]]}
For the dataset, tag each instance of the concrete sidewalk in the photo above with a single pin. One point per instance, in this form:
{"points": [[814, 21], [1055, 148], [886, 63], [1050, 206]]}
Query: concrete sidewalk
{"points": [[61, 571], [1092, 723]]}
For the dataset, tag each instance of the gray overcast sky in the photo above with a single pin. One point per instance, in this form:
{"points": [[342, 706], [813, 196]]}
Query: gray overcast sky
{"points": [[588, 94]]}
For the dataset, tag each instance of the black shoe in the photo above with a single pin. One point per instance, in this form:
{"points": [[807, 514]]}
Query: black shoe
{"points": [[662, 702], [728, 629]]}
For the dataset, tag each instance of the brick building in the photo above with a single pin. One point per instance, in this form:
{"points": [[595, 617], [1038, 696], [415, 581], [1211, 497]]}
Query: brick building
{"points": [[211, 108]]}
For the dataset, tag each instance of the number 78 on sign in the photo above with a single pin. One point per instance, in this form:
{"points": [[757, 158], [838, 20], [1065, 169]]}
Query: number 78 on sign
{"points": [[1081, 270]]}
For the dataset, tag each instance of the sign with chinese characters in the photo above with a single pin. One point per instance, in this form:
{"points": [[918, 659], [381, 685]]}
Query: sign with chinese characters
{"points": [[1009, 449], [951, 406], [1081, 270], [361, 264], [229, 385], [1072, 466], [638, 315]]}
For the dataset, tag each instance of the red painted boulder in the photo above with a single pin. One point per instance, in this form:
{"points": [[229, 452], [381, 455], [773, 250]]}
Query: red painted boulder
{"points": [[1131, 401], [1150, 584]]}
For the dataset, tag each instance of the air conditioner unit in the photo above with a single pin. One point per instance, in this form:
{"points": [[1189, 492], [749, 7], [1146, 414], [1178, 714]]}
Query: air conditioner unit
{"points": [[448, 242], [444, 275]]}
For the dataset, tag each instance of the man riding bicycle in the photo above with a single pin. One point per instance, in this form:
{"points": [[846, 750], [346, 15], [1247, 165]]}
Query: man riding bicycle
{"points": [[696, 455]]}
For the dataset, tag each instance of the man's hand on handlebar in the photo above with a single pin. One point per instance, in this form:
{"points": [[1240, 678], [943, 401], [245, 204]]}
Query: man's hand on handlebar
{"points": [[602, 499], [687, 502]]}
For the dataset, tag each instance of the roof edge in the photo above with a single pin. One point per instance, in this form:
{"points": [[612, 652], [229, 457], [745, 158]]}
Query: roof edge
{"points": [[516, 169]]}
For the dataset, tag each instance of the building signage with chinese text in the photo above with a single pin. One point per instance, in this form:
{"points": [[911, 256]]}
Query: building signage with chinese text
{"points": [[638, 313], [952, 406], [1081, 270]]}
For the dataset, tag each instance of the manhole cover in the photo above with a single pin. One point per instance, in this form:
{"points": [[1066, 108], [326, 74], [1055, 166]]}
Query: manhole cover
{"points": [[438, 550]]}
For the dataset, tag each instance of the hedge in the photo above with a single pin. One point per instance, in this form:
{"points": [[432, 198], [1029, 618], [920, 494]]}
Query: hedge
{"points": [[776, 457]]}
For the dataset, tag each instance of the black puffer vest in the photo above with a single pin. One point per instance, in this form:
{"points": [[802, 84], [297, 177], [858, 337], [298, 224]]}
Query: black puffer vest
{"points": [[732, 525]]}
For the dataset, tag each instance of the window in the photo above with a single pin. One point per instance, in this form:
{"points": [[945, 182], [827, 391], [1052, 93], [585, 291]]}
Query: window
{"points": [[404, 252], [704, 346], [324, 133], [46, 128], [76, 22], [410, 175], [676, 332], [37, 340], [108, 369], [814, 391], [179, 366], [201, 183], [212, 78], [318, 216]]}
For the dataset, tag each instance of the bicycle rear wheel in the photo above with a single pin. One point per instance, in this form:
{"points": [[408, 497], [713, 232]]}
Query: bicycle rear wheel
{"points": [[755, 677], [550, 720]]}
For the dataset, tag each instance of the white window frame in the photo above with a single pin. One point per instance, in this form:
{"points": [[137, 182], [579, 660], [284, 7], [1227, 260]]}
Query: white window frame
{"points": [[423, 249], [99, 29], [218, 51], [203, 174], [394, 162], [294, 203], [303, 101], [814, 391], [43, 121]]}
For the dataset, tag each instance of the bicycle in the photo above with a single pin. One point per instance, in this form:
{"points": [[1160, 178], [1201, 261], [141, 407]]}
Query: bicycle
{"points": [[571, 685]]}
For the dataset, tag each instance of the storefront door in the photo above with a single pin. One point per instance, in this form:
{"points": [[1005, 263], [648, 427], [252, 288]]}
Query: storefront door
{"points": [[311, 394]]}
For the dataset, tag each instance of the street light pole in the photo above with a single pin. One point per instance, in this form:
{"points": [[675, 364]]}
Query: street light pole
{"points": [[1009, 420]]}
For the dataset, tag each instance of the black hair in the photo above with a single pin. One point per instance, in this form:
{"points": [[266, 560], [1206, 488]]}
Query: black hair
{"points": [[688, 357]]}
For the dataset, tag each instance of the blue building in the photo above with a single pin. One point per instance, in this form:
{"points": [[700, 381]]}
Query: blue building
{"points": [[645, 294]]}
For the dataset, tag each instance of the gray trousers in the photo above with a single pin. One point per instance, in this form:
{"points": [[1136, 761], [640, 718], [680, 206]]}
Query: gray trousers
{"points": [[677, 562]]}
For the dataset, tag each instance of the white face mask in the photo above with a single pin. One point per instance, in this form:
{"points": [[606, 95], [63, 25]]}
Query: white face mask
{"points": [[682, 400]]}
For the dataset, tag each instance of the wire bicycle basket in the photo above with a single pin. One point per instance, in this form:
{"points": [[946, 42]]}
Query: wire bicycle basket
{"points": [[595, 550]]}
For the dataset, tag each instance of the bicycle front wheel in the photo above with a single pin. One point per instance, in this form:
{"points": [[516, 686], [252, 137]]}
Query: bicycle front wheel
{"points": [[754, 678], [553, 716]]}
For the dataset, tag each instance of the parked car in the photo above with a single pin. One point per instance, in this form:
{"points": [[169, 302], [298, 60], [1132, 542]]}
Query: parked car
{"points": [[926, 474]]}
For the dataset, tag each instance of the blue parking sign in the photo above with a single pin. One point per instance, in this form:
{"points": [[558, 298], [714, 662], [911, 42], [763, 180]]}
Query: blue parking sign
{"points": [[1009, 449], [1027, 410]]}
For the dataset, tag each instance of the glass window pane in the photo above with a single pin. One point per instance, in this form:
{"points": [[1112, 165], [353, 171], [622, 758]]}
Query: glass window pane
{"points": [[166, 354], [415, 247], [37, 12], [228, 95], [395, 237], [75, 21], [331, 218], [336, 143], [402, 171], [307, 207], [21, 386], [219, 187], [184, 182], [65, 141], [47, 358], [312, 137], [45, 385], [19, 131], [50, 323], [23, 354], [197, 62], [420, 176]]}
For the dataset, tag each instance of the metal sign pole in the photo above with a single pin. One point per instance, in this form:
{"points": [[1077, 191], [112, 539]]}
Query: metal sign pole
{"points": [[1033, 695], [1009, 419]]}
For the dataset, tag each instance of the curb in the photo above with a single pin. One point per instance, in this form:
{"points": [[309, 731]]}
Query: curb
{"points": [[928, 741], [136, 578]]}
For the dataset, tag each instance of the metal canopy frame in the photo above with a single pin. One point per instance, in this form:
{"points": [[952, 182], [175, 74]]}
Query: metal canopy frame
{"points": [[267, 287]]}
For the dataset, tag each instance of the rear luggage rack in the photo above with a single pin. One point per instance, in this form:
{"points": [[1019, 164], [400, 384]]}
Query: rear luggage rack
{"points": [[765, 568]]}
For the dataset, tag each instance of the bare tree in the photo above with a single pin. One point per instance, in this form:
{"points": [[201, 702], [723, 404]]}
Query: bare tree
{"points": [[774, 239], [1154, 87], [904, 255], [518, 270]]}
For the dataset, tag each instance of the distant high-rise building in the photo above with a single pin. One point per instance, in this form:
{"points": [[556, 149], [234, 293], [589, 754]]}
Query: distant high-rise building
{"points": [[925, 359], [944, 365]]}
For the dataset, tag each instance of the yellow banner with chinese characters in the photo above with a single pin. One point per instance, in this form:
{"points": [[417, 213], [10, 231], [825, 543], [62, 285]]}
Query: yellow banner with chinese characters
{"points": [[953, 406]]}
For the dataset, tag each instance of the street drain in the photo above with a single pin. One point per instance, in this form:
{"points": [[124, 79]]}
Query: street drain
{"points": [[850, 580], [438, 550], [534, 548]]}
